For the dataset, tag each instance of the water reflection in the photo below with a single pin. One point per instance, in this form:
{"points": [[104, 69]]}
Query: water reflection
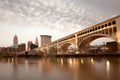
{"points": [[81, 60], [108, 69], [92, 61], [61, 62], [60, 69], [70, 61]]}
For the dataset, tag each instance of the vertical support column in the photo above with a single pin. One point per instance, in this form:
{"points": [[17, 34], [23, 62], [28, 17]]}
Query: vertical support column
{"points": [[118, 33], [76, 44]]}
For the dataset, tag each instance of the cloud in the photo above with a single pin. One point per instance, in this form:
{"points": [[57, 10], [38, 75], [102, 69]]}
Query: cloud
{"points": [[56, 14]]}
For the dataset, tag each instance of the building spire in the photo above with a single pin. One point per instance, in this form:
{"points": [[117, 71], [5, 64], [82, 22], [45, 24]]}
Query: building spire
{"points": [[36, 41], [15, 41]]}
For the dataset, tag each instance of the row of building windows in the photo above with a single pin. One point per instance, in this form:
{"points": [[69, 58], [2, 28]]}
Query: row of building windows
{"points": [[99, 27]]}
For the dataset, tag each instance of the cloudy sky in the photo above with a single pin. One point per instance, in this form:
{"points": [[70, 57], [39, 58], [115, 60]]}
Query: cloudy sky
{"points": [[58, 18]]}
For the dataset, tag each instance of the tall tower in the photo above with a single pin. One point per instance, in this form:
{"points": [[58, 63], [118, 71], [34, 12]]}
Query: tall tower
{"points": [[15, 42], [36, 41], [29, 45], [45, 39]]}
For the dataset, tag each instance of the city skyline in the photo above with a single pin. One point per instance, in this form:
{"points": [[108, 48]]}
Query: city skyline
{"points": [[28, 19]]}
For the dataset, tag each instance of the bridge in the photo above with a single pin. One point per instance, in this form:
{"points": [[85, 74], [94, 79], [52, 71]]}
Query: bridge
{"points": [[81, 39]]}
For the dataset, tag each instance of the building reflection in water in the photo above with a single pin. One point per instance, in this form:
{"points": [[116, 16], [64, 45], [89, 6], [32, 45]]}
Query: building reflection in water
{"points": [[26, 65]]}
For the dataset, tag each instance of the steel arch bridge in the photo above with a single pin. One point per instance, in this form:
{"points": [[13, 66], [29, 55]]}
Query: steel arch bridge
{"points": [[109, 28]]}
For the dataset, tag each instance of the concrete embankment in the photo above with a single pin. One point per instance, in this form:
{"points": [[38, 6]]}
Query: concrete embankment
{"points": [[88, 55]]}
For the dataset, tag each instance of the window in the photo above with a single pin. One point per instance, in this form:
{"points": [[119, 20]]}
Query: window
{"points": [[105, 25], [114, 22], [96, 28], [109, 24], [99, 27], [102, 26]]}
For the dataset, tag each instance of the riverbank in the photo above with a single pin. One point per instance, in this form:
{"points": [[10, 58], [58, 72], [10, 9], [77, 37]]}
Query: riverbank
{"points": [[61, 55], [88, 55], [22, 55]]}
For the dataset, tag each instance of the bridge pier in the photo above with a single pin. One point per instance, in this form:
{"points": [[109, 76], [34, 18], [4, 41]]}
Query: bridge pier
{"points": [[76, 44], [118, 47], [118, 33], [58, 51], [77, 51]]}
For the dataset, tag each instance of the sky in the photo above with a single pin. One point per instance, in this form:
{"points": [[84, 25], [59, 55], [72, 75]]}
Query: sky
{"points": [[29, 19]]}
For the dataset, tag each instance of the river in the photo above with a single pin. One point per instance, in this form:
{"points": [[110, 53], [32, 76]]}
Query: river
{"points": [[89, 68]]}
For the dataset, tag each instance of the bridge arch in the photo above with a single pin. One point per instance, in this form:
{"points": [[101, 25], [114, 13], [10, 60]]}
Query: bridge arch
{"points": [[64, 48], [87, 40], [44, 51], [52, 50]]}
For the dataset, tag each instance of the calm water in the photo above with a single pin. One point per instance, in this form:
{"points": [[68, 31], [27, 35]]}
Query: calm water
{"points": [[60, 69]]}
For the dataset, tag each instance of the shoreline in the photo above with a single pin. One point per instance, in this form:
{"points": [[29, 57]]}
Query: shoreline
{"points": [[64, 56], [89, 55]]}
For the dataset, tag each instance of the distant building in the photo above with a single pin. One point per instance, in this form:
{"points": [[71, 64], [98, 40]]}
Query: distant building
{"points": [[21, 47], [36, 41], [15, 42], [112, 47], [15, 48], [29, 45], [33, 46], [9, 50], [45, 39]]}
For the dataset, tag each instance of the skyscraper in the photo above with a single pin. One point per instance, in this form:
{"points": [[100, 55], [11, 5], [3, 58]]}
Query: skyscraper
{"points": [[15, 42], [36, 41], [29, 45], [45, 39]]}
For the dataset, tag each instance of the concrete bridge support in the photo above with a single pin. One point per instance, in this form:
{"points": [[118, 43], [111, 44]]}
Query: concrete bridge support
{"points": [[76, 44], [118, 33]]}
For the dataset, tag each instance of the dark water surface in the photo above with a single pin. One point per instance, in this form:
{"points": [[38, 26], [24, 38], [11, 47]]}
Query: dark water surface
{"points": [[60, 69]]}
